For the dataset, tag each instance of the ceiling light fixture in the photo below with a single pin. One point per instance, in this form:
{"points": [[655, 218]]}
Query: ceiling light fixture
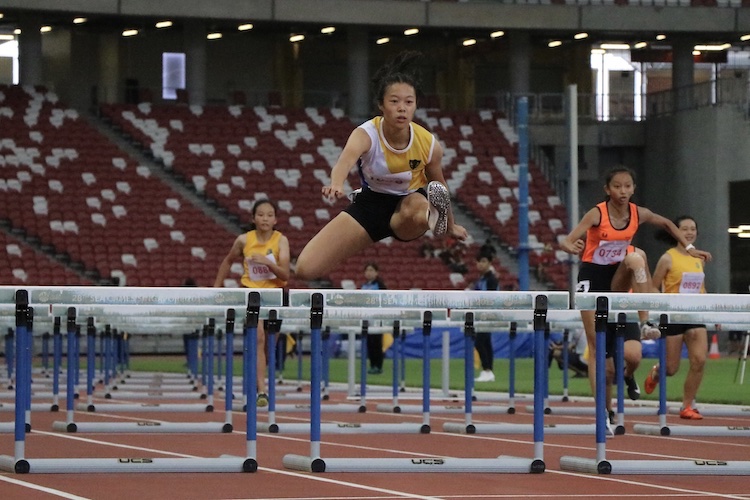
{"points": [[469, 42], [328, 30], [296, 38], [381, 41], [245, 27], [580, 36], [745, 38], [6, 38], [129, 32], [713, 48], [554, 43], [214, 36], [661, 37], [45, 29], [79, 20], [614, 46], [641, 45], [164, 24], [411, 31], [497, 34]]}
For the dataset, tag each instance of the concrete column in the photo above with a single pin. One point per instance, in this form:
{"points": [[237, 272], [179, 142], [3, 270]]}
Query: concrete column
{"points": [[359, 74], [109, 68], [683, 69], [520, 62], [30, 71], [195, 61]]}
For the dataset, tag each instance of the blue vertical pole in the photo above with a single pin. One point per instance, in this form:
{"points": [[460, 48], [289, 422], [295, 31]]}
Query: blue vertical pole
{"points": [[316, 322], [250, 370], [23, 386], [512, 334], [71, 353], [601, 314], [228, 389], [10, 354], [468, 369], [426, 360], [396, 366], [522, 124], [90, 362], [210, 329], [45, 353], [363, 359], [56, 363], [540, 379]]}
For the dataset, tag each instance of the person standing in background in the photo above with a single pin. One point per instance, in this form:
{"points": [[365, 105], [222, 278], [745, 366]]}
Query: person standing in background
{"points": [[487, 281], [264, 252], [375, 351]]}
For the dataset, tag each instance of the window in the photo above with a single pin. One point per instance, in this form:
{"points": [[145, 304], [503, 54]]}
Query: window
{"points": [[172, 74]]}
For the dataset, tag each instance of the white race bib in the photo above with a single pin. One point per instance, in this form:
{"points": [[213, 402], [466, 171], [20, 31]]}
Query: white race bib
{"points": [[260, 272], [691, 282], [610, 252]]}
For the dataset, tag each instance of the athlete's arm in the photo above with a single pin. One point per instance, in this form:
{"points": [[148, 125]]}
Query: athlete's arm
{"points": [[662, 268], [647, 216], [357, 145], [573, 242]]}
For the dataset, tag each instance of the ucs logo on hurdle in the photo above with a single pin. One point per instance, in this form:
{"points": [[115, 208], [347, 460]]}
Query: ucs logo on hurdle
{"points": [[428, 461]]}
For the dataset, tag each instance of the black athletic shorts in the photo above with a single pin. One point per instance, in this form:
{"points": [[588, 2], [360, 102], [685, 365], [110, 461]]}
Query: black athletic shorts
{"points": [[681, 328], [632, 332], [595, 277], [374, 210]]}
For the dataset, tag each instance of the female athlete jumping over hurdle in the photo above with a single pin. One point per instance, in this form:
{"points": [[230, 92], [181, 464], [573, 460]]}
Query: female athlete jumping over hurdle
{"points": [[265, 263], [607, 266], [403, 190], [679, 272]]}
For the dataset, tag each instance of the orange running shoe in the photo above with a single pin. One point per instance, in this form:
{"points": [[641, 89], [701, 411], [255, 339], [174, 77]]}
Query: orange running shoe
{"points": [[651, 380], [689, 413]]}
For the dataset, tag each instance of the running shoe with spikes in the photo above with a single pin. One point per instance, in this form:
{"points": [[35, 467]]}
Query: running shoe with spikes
{"points": [[649, 331], [262, 400], [652, 380], [690, 413], [440, 201], [634, 392]]}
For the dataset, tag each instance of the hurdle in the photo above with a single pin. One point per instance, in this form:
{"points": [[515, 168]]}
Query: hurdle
{"points": [[683, 308], [19, 463], [404, 299], [540, 327], [149, 426], [345, 316]]}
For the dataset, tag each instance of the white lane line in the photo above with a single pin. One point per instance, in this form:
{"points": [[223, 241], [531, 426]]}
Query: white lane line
{"points": [[658, 486], [400, 494], [43, 489]]}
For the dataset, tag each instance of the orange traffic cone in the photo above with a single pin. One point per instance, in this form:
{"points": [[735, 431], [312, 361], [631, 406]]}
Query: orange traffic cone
{"points": [[713, 351]]}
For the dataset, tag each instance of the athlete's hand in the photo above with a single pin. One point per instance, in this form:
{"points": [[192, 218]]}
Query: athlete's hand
{"points": [[459, 232], [701, 254], [333, 193], [574, 248]]}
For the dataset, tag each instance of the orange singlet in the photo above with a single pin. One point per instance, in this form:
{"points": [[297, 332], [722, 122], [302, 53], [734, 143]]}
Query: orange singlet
{"points": [[606, 245]]}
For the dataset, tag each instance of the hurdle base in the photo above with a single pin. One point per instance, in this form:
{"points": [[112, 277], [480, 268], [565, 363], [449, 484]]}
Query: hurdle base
{"points": [[567, 429], [660, 467], [345, 428], [501, 464], [126, 465], [651, 430], [587, 465], [695, 430], [143, 427]]}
